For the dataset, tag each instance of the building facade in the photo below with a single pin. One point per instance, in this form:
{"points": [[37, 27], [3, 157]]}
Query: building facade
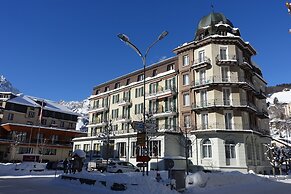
{"points": [[216, 98], [34, 126]]}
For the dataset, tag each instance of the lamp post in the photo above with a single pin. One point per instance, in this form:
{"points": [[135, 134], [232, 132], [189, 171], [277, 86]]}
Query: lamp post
{"points": [[126, 40]]}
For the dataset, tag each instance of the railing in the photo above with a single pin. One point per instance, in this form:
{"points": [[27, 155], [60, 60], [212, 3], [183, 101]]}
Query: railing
{"points": [[96, 107], [217, 125], [121, 118], [219, 79], [161, 90], [97, 121], [200, 61], [223, 58], [162, 109], [168, 128], [223, 103]]}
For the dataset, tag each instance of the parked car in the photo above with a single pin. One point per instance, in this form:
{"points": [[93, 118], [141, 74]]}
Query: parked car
{"points": [[98, 164], [121, 166]]}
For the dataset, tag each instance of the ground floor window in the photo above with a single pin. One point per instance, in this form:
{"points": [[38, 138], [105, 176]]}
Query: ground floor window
{"points": [[206, 149], [25, 150], [133, 149], [47, 151], [230, 149], [77, 146], [121, 149], [155, 148], [96, 149]]}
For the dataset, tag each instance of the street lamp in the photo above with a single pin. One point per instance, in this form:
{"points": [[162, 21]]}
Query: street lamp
{"points": [[126, 40]]}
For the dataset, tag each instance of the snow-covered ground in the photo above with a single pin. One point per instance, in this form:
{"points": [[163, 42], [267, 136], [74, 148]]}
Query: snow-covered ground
{"points": [[47, 182]]}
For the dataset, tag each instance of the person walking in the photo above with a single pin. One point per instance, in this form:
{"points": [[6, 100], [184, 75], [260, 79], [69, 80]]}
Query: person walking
{"points": [[65, 165]]}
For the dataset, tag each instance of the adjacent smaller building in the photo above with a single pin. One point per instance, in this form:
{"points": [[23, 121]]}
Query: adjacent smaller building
{"points": [[35, 126]]}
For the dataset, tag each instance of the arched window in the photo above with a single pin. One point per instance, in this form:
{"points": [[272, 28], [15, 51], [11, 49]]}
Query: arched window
{"points": [[230, 149], [206, 149]]}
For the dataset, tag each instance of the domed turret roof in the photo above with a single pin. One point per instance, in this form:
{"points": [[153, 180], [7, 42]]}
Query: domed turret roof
{"points": [[215, 23], [212, 19]]}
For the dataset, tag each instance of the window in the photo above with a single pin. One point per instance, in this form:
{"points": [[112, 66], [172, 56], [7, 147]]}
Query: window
{"points": [[40, 137], [228, 120], [55, 138], [202, 76], [155, 72], [19, 136], [77, 147], [226, 96], [203, 98], [170, 83], [96, 149], [140, 77], [230, 149], [223, 53], [204, 120], [121, 149], [133, 149], [25, 150], [187, 121], [97, 92], [139, 92], [117, 85], [43, 121], [201, 56], [206, 149], [114, 114], [153, 87], [138, 108], [186, 99], [186, 80], [185, 60], [155, 148], [31, 114], [62, 124], [10, 116], [115, 99], [48, 151], [170, 67], [106, 89], [128, 81], [86, 148], [225, 74]]}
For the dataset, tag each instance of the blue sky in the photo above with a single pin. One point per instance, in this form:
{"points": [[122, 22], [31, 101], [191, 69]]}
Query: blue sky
{"points": [[61, 49]]}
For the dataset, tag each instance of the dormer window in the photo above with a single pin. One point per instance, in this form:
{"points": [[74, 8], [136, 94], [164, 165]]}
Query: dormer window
{"points": [[117, 85], [106, 89], [140, 77]]}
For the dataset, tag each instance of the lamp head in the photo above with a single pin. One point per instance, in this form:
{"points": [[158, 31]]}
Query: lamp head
{"points": [[123, 37], [163, 35]]}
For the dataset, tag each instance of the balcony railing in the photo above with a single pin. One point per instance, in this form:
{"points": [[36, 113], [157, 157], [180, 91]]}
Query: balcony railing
{"points": [[222, 80], [219, 126], [122, 119], [161, 92], [98, 122], [218, 103], [98, 108], [201, 63], [162, 111], [168, 128], [263, 114], [124, 102], [226, 59]]}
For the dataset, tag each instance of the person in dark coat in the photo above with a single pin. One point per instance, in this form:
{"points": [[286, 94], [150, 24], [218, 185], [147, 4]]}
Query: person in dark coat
{"points": [[65, 165]]}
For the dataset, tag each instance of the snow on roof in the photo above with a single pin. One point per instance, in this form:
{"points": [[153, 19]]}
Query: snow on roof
{"points": [[49, 105], [283, 97]]}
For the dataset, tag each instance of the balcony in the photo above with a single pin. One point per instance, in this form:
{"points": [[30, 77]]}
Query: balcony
{"points": [[162, 112], [124, 102], [122, 119], [226, 60], [201, 63], [98, 123], [98, 108], [245, 65], [168, 128], [161, 92], [263, 114], [211, 104], [228, 81], [219, 126], [260, 94]]}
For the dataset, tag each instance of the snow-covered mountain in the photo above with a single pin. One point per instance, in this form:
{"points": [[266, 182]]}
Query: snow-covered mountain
{"points": [[80, 107], [6, 86]]}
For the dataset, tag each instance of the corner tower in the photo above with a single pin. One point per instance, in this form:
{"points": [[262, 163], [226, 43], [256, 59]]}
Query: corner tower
{"points": [[222, 98]]}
